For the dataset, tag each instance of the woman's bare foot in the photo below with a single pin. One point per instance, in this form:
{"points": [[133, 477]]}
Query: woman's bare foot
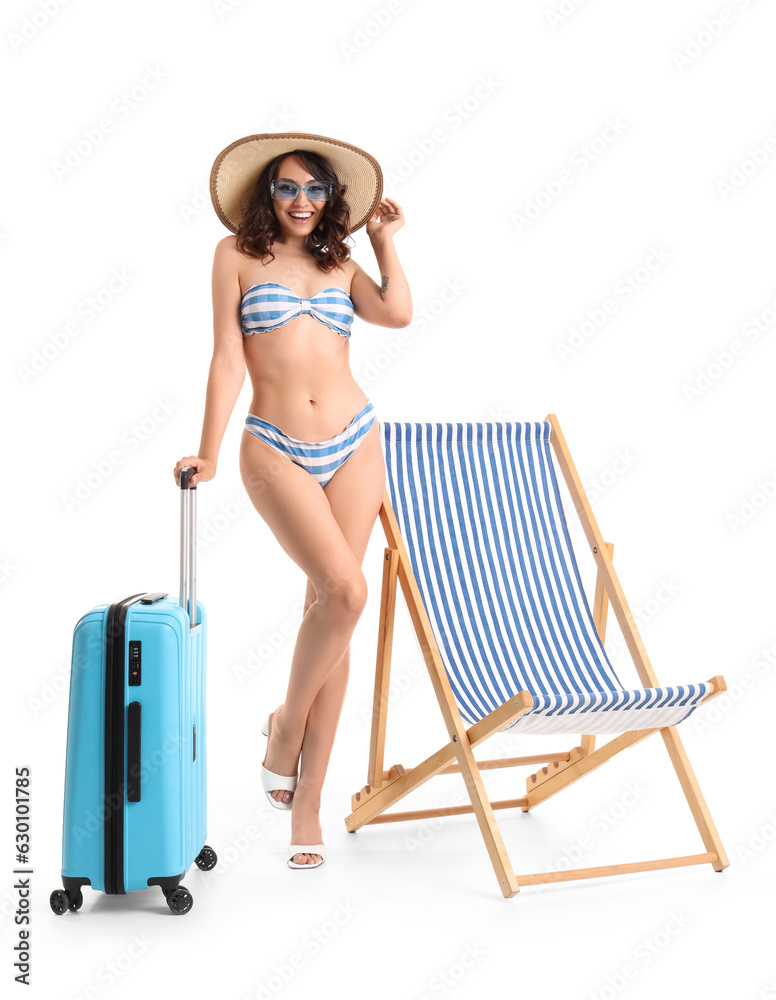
{"points": [[277, 758]]}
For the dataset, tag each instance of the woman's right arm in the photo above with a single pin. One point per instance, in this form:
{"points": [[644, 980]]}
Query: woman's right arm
{"points": [[227, 367]]}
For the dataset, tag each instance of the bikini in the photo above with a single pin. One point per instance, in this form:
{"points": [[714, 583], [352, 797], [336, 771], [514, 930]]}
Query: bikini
{"points": [[268, 305]]}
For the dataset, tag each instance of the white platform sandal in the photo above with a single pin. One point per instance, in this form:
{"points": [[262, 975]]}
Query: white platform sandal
{"points": [[272, 782], [306, 849]]}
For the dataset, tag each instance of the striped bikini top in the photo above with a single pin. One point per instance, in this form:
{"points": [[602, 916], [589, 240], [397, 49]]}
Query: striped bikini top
{"points": [[268, 305]]}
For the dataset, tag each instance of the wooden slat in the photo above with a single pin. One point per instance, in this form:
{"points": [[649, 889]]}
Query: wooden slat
{"points": [[584, 766], [553, 768], [500, 717], [537, 758], [401, 817], [370, 801], [383, 667], [600, 600], [637, 866]]}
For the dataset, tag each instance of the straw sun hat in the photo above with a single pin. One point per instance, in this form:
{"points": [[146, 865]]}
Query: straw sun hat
{"points": [[237, 168]]}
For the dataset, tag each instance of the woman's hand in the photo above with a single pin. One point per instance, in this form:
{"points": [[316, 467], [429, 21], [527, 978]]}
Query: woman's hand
{"points": [[388, 219], [205, 469]]}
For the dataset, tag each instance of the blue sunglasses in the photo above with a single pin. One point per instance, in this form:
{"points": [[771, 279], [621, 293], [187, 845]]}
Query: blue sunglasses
{"points": [[287, 190]]}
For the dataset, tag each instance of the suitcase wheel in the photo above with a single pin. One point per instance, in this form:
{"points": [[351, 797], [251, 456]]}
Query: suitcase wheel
{"points": [[179, 900], [59, 901], [206, 859]]}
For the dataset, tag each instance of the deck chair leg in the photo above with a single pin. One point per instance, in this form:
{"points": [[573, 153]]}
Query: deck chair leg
{"points": [[695, 799], [486, 818], [383, 667]]}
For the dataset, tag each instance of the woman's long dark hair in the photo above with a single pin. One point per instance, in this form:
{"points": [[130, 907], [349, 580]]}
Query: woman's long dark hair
{"points": [[259, 227]]}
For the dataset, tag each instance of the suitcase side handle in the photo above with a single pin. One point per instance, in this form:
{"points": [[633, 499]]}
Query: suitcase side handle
{"points": [[133, 751], [188, 586]]}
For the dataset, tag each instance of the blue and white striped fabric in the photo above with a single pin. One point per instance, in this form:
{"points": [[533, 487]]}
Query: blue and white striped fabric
{"points": [[268, 305], [320, 458], [481, 516]]}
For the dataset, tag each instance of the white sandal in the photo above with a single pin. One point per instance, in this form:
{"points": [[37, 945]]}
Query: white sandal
{"points": [[306, 849], [272, 782]]}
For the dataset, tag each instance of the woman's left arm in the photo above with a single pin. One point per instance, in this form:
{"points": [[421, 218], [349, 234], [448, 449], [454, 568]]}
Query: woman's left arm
{"points": [[390, 302]]}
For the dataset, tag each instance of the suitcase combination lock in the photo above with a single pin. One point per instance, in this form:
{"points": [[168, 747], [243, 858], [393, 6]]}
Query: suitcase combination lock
{"points": [[134, 662]]}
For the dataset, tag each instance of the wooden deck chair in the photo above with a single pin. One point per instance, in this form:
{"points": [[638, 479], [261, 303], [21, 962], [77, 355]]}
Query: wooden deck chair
{"points": [[478, 539]]}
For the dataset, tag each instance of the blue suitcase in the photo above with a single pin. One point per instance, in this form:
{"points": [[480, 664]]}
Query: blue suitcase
{"points": [[135, 801]]}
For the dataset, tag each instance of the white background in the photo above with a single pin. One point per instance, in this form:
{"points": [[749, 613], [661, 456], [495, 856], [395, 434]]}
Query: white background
{"points": [[409, 910]]}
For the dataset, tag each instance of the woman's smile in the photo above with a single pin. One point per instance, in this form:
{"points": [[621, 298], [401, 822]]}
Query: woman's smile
{"points": [[300, 218]]}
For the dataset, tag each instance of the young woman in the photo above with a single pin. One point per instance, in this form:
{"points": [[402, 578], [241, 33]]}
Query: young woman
{"points": [[284, 294]]}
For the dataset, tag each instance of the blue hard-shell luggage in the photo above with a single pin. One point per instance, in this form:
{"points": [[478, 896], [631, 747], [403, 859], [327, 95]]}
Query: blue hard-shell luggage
{"points": [[135, 802]]}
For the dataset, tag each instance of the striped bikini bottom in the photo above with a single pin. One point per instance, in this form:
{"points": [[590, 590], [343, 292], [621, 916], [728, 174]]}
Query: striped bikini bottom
{"points": [[320, 458]]}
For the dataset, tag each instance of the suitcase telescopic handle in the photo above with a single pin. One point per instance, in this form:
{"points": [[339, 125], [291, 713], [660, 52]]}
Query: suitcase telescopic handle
{"points": [[188, 591]]}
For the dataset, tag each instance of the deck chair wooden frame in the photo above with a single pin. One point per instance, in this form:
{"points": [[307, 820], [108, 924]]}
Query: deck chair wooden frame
{"points": [[559, 770]]}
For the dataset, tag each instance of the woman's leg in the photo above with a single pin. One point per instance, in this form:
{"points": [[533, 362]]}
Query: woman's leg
{"points": [[355, 502], [295, 508], [300, 515]]}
